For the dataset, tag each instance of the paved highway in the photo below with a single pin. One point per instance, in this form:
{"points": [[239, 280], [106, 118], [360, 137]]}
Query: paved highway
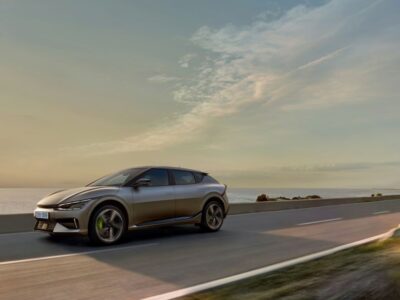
{"points": [[151, 262]]}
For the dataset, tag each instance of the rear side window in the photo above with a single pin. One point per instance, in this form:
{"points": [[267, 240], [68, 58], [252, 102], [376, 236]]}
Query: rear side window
{"points": [[198, 177], [158, 177], [183, 177], [209, 179]]}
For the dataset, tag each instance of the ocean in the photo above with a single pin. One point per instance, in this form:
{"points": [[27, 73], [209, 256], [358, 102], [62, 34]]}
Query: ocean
{"points": [[23, 200]]}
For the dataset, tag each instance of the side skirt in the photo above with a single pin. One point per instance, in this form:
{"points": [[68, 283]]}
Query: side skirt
{"points": [[173, 221]]}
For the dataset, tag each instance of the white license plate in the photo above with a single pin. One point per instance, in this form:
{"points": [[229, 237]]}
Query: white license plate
{"points": [[41, 215]]}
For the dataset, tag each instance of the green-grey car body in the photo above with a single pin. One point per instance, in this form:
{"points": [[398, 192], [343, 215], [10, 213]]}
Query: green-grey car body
{"points": [[131, 199]]}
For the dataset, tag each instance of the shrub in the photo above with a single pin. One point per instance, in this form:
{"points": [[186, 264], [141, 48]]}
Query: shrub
{"points": [[377, 195], [262, 198], [313, 197]]}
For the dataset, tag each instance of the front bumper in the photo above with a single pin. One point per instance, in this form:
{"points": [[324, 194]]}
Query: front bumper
{"points": [[72, 222]]}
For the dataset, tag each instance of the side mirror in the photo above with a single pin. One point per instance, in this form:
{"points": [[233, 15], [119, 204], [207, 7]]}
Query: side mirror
{"points": [[142, 182]]}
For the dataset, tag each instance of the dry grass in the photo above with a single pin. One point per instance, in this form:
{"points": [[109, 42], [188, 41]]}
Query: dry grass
{"points": [[369, 272]]}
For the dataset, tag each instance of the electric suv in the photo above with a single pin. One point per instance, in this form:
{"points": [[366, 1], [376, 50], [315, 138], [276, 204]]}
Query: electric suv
{"points": [[132, 199]]}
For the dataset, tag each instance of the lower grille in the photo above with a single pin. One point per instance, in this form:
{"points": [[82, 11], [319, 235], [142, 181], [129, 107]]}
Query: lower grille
{"points": [[45, 226]]}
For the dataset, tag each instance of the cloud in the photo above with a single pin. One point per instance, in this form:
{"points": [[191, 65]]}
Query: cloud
{"points": [[161, 78], [311, 172], [185, 61], [309, 58], [339, 167], [345, 175], [319, 60]]}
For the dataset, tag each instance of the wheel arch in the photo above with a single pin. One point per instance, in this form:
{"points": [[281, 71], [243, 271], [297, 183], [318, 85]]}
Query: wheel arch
{"points": [[214, 197], [111, 201]]}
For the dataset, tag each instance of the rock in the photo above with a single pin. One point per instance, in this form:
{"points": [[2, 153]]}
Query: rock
{"points": [[262, 198], [309, 197], [313, 197], [377, 195]]}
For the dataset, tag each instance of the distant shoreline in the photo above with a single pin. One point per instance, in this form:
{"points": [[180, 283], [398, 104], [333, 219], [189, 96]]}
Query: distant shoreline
{"points": [[20, 222], [23, 200]]}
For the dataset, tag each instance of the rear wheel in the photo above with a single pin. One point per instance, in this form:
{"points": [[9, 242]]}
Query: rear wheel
{"points": [[107, 225], [212, 216]]}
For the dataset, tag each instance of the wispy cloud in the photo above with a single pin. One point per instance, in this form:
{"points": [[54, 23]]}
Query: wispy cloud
{"points": [[322, 59], [162, 78], [185, 61], [343, 174], [311, 171], [311, 57], [339, 167]]}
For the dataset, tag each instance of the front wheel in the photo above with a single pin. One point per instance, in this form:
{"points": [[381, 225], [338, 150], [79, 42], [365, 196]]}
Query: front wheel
{"points": [[212, 216], [107, 225]]}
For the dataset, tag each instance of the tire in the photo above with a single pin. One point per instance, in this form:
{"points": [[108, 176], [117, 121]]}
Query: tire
{"points": [[212, 216], [107, 225]]}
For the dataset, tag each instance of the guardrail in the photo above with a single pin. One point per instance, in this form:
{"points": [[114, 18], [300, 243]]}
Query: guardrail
{"points": [[24, 222]]}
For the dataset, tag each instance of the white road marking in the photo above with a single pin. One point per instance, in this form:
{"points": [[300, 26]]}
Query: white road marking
{"points": [[267, 269], [10, 262], [320, 221], [381, 212]]}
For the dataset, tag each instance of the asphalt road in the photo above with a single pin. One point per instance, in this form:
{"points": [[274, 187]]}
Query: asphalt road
{"points": [[151, 262]]}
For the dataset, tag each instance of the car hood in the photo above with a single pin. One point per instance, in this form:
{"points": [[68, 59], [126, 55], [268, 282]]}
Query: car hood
{"points": [[76, 194]]}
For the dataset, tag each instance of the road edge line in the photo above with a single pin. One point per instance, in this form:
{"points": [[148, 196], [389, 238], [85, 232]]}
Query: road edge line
{"points": [[267, 269]]}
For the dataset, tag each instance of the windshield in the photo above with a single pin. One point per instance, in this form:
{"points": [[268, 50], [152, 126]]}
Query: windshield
{"points": [[117, 179]]}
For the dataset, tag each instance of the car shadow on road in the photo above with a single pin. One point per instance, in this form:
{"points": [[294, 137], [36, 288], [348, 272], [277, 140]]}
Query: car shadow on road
{"points": [[132, 237]]}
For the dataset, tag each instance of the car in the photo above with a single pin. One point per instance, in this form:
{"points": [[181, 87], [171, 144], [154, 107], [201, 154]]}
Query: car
{"points": [[132, 199]]}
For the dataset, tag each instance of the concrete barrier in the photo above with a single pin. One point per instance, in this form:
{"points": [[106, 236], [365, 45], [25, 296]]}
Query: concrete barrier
{"points": [[241, 208], [16, 223], [25, 222]]}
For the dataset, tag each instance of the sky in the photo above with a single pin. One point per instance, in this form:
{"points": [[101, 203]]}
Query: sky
{"points": [[257, 93]]}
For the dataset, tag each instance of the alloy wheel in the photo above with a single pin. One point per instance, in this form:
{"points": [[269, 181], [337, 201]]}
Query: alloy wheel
{"points": [[109, 225], [214, 216]]}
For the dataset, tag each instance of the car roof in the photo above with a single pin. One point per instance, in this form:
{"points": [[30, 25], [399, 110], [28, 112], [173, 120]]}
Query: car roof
{"points": [[169, 168]]}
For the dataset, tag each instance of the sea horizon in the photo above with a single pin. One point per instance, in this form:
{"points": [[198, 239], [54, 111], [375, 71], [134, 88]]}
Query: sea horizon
{"points": [[24, 199]]}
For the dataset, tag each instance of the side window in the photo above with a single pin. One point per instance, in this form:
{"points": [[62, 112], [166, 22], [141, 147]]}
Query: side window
{"points": [[158, 177], [209, 179], [183, 177], [198, 176]]}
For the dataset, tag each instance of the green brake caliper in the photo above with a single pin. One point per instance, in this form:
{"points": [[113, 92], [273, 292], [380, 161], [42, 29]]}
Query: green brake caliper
{"points": [[100, 224]]}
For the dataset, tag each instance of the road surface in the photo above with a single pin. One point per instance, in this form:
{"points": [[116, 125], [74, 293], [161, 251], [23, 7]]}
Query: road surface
{"points": [[152, 262]]}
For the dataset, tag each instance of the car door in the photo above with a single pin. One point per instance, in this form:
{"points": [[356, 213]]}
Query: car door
{"points": [[156, 201], [188, 194]]}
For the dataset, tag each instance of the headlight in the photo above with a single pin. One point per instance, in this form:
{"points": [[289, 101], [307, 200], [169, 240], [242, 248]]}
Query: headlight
{"points": [[73, 205]]}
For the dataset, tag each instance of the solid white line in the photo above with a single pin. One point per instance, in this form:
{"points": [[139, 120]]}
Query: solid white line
{"points": [[320, 221], [267, 269], [10, 262], [381, 212]]}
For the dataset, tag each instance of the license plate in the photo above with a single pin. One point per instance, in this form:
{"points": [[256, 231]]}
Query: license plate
{"points": [[42, 215]]}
